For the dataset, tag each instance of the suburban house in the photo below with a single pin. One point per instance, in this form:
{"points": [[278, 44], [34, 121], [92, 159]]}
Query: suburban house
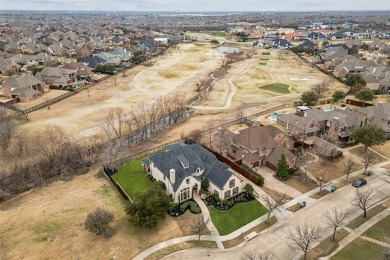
{"points": [[262, 145], [57, 78], [353, 66], [92, 61], [323, 147], [23, 88], [83, 72], [378, 115], [308, 45], [182, 167], [338, 124]]}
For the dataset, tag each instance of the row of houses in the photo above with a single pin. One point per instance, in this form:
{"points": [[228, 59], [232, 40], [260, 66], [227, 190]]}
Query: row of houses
{"points": [[337, 124], [336, 59], [182, 167]]}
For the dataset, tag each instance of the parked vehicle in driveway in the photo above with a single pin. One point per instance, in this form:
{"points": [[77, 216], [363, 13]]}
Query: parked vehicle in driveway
{"points": [[359, 182]]}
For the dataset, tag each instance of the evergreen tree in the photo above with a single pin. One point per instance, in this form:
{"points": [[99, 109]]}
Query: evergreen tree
{"points": [[282, 168]]}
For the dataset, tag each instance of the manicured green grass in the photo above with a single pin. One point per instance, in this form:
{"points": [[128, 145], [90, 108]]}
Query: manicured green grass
{"points": [[227, 221], [380, 231], [277, 88], [132, 177], [218, 34], [360, 249], [200, 44], [262, 63], [264, 59], [266, 53]]}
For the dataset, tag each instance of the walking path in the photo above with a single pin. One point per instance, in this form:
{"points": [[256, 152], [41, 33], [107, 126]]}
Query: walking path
{"points": [[210, 225], [378, 242], [359, 231], [279, 215]]}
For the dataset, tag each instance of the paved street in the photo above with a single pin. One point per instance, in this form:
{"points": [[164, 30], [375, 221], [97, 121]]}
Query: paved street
{"points": [[274, 238]]}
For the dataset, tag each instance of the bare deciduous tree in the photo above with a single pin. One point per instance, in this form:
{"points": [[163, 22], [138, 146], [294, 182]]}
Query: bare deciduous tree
{"points": [[200, 83], [335, 219], [273, 204], [323, 181], [199, 226], [304, 236], [253, 254], [7, 127], [363, 199], [114, 120], [368, 158], [348, 165]]}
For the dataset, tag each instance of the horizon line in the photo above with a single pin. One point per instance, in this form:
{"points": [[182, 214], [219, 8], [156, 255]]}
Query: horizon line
{"points": [[187, 11]]}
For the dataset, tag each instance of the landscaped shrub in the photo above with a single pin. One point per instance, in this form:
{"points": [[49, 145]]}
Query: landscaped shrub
{"points": [[194, 208], [215, 197], [336, 155], [205, 183], [250, 170]]}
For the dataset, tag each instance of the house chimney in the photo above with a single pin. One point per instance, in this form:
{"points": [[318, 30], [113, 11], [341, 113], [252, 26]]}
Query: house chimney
{"points": [[172, 175]]}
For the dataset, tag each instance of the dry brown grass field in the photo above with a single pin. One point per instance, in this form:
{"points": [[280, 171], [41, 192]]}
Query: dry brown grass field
{"points": [[47, 223], [175, 72], [280, 67]]}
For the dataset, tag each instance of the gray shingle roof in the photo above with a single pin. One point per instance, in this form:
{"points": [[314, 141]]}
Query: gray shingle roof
{"points": [[197, 157]]}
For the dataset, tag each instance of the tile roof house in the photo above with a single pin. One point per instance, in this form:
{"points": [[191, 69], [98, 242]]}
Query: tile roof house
{"points": [[262, 145], [182, 168]]}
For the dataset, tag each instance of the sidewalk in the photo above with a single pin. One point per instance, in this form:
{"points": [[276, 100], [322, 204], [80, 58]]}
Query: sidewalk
{"points": [[359, 231], [210, 225], [280, 216], [306, 196]]}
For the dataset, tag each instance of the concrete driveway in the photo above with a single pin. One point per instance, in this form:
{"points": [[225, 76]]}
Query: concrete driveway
{"points": [[274, 239]]}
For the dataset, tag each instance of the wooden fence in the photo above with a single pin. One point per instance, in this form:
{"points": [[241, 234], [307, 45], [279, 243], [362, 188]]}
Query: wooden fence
{"points": [[187, 139], [358, 103], [235, 166]]}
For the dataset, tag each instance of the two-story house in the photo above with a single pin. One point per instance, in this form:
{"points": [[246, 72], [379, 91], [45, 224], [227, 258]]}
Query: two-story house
{"points": [[262, 145], [182, 168]]}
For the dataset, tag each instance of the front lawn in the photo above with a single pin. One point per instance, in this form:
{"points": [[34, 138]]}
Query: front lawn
{"points": [[360, 249], [132, 177], [227, 221], [380, 231], [359, 151], [277, 88]]}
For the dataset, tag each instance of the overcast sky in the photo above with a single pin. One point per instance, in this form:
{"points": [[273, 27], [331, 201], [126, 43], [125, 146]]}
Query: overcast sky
{"points": [[196, 5]]}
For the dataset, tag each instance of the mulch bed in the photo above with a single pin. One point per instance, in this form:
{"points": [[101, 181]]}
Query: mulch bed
{"points": [[177, 212], [229, 203]]}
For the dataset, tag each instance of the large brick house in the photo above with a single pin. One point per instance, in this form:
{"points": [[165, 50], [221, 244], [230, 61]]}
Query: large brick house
{"points": [[262, 145]]}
